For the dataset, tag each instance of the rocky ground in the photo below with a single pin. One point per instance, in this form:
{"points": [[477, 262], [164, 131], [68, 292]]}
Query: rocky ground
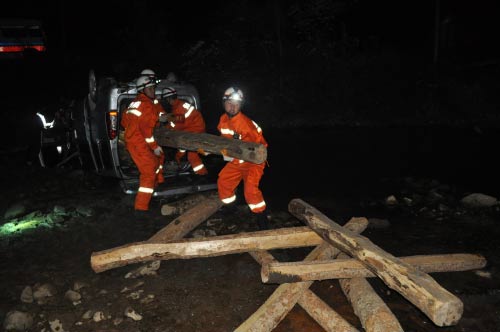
{"points": [[55, 218]]}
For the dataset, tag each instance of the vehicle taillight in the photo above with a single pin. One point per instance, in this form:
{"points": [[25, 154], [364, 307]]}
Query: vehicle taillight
{"points": [[112, 122]]}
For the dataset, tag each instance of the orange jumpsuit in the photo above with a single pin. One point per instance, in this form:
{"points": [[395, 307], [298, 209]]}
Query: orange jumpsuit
{"points": [[241, 127], [189, 119], [139, 120]]}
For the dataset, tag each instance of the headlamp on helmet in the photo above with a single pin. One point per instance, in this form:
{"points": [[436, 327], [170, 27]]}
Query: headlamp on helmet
{"points": [[146, 81], [233, 94]]}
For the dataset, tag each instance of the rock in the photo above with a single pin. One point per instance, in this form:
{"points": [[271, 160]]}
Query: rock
{"points": [[129, 312], [98, 316], [117, 321], [147, 269], [478, 200], [148, 299], [17, 321], [391, 200], [56, 325], [72, 295], [42, 292], [87, 315], [77, 285], [27, 295]]}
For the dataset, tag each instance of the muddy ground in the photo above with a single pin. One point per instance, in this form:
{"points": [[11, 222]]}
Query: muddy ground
{"points": [[343, 172]]}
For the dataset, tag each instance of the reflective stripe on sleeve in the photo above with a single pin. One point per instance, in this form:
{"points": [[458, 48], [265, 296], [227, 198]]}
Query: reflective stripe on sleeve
{"points": [[226, 131], [257, 126], [150, 140], [188, 113], [197, 168], [134, 112], [146, 190]]}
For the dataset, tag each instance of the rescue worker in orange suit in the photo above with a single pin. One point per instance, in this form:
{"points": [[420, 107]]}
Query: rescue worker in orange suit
{"points": [[236, 125], [139, 121], [161, 113], [185, 117]]}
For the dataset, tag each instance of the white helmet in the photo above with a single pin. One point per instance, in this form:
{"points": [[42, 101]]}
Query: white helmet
{"points": [[144, 82], [169, 92], [148, 72], [234, 94]]}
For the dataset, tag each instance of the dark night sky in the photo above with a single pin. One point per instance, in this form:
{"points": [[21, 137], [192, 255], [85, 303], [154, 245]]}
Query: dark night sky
{"points": [[86, 25], [102, 34]]}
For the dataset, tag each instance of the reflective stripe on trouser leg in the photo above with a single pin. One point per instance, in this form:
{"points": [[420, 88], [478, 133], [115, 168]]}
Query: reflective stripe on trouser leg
{"points": [[229, 178], [252, 174], [147, 163], [196, 163]]}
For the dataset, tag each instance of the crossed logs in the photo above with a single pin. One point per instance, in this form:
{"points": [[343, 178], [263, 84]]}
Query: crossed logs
{"points": [[339, 253]]}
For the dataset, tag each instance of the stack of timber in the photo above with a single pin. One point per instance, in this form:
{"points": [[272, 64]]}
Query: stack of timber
{"points": [[340, 253]]}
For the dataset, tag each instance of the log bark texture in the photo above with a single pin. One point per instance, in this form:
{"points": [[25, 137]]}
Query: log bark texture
{"points": [[284, 298], [180, 206], [185, 223], [293, 237], [205, 142], [442, 307], [352, 268]]}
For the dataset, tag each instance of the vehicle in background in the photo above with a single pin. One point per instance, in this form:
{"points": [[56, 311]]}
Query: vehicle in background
{"points": [[19, 37], [95, 137]]}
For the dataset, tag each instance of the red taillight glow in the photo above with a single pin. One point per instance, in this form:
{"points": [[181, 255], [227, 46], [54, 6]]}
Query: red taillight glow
{"points": [[14, 49], [112, 122]]}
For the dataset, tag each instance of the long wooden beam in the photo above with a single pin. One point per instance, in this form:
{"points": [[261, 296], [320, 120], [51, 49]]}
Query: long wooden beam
{"points": [[293, 237], [281, 272], [205, 142], [284, 298], [189, 220], [442, 307], [182, 205]]}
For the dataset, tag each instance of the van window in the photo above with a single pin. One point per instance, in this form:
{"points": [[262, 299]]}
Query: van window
{"points": [[20, 35]]}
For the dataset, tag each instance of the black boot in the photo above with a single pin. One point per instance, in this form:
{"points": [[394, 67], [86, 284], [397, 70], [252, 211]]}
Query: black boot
{"points": [[262, 221]]}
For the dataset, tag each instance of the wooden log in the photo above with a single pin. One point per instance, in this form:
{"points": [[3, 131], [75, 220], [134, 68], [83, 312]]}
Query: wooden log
{"points": [[205, 142], [442, 307], [284, 298], [352, 268], [372, 311], [323, 314], [180, 206], [185, 223], [203, 247]]}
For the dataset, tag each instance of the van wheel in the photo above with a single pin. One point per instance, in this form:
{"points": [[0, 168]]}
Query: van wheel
{"points": [[92, 85]]}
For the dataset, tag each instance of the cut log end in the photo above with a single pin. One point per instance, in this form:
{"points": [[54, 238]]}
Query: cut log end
{"points": [[449, 313]]}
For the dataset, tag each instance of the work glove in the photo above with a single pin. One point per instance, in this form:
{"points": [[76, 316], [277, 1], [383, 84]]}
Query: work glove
{"points": [[236, 135], [158, 151]]}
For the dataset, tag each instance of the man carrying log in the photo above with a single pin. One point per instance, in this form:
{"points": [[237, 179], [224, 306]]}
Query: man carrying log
{"points": [[233, 124], [185, 117]]}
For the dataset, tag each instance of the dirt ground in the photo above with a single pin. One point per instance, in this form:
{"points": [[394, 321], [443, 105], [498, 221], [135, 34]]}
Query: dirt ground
{"points": [[343, 172]]}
